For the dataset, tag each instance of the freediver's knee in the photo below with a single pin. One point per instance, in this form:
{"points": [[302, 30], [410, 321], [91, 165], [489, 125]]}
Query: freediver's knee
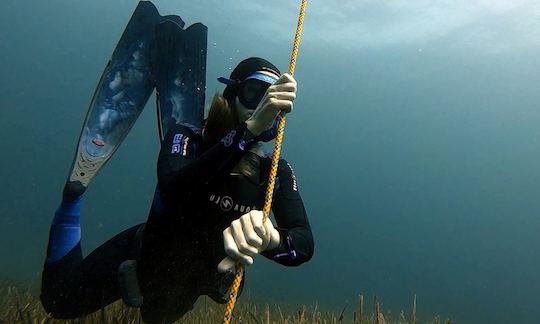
{"points": [[129, 284]]}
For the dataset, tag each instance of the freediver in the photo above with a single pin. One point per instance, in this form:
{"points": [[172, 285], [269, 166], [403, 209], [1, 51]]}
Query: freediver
{"points": [[205, 216]]}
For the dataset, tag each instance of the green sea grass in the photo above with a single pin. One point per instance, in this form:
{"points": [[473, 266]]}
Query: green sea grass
{"points": [[18, 305]]}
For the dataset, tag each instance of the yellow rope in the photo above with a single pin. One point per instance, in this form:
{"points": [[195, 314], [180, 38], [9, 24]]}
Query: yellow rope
{"points": [[273, 170]]}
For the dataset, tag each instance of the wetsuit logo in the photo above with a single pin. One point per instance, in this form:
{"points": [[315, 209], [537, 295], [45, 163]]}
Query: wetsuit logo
{"points": [[180, 143], [177, 139], [226, 203], [229, 139], [295, 185]]}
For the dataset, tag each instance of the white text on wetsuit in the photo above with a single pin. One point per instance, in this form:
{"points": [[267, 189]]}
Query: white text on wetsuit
{"points": [[226, 203]]}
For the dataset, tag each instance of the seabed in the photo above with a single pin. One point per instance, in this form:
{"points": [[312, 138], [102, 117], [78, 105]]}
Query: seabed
{"points": [[18, 306]]}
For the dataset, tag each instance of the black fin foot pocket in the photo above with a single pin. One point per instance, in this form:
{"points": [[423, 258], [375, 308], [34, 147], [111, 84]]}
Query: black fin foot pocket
{"points": [[73, 190]]}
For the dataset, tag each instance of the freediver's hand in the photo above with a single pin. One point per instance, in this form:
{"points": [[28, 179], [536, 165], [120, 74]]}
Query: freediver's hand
{"points": [[278, 98], [245, 238]]}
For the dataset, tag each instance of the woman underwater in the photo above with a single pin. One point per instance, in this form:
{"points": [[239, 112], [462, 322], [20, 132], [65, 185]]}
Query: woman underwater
{"points": [[206, 213]]}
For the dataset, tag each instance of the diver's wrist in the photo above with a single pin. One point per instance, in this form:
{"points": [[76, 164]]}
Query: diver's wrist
{"points": [[252, 130]]}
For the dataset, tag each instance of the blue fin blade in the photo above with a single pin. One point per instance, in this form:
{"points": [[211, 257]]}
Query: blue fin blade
{"points": [[120, 96], [180, 65]]}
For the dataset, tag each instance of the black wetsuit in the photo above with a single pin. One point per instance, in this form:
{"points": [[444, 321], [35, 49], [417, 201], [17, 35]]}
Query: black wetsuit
{"points": [[198, 196]]}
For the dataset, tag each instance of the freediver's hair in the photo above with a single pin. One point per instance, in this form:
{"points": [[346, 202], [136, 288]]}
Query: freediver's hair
{"points": [[222, 118]]}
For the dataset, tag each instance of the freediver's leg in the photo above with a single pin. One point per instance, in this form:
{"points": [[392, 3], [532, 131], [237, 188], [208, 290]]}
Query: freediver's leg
{"points": [[218, 285], [74, 287], [167, 280], [173, 305], [169, 308], [65, 231]]}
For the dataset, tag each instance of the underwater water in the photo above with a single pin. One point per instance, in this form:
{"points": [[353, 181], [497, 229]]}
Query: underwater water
{"points": [[414, 139]]}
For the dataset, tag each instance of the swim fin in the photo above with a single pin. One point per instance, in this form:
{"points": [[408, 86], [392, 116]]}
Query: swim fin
{"points": [[180, 67], [143, 59]]}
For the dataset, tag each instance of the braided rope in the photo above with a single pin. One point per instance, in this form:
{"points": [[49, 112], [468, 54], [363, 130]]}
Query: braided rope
{"points": [[273, 169]]}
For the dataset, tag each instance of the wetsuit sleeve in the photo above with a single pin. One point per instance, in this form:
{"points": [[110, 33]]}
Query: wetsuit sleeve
{"points": [[182, 170], [296, 245]]}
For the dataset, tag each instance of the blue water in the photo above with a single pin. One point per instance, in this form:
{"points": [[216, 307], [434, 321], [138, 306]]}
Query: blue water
{"points": [[414, 139]]}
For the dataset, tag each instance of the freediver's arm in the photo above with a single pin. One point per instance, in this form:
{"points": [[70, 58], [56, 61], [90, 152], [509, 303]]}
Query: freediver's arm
{"points": [[181, 171], [289, 243], [296, 240]]}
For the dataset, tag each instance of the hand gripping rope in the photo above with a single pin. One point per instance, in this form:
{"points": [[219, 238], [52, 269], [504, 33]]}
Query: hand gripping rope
{"points": [[273, 170]]}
